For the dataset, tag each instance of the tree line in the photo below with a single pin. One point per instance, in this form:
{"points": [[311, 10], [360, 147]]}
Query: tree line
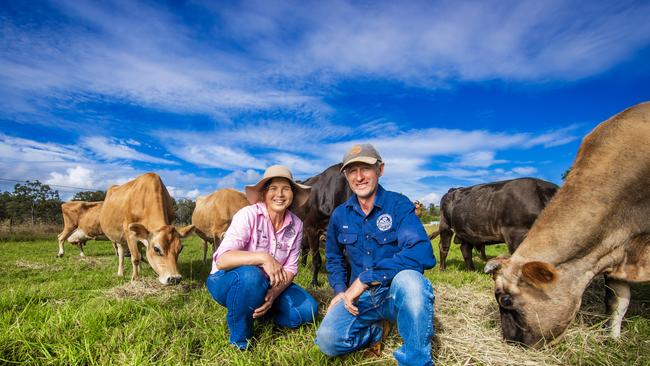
{"points": [[34, 203], [37, 203]]}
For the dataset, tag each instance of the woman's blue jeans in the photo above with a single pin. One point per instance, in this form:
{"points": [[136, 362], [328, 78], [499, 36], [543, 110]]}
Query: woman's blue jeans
{"points": [[408, 301], [241, 290]]}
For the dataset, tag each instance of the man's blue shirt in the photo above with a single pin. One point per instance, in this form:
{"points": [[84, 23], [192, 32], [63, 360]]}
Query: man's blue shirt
{"points": [[390, 239]]}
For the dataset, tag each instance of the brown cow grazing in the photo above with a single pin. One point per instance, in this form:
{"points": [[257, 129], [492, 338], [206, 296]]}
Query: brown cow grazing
{"points": [[213, 214], [328, 190], [80, 224], [598, 222], [490, 213], [141, 211]]}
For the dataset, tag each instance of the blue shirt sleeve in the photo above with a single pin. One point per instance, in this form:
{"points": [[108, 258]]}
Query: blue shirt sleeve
{"points": [[415, 253], [334, 258]]}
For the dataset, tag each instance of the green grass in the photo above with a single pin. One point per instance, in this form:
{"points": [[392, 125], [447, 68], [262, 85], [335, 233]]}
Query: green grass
{"points": [[76, 311]]}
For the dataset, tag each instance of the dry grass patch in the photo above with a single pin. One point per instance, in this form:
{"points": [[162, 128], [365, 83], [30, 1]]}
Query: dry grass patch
{"points": [[146, 287], [37, 266]]}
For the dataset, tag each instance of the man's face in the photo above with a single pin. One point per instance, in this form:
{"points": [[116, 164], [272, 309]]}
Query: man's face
{"points": [[363, 178]]}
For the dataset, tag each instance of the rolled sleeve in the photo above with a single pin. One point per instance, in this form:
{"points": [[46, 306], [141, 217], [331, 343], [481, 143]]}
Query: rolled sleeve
{"points": [[238, 233]]}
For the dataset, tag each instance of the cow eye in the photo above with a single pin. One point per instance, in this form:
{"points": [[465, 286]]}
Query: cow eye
{"points": [[180, 249], [157, 250]]}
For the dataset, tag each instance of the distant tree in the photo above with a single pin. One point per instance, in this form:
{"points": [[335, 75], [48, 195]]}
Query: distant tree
{"points": [[184, 208], [89, 196], [566, 173], [434, 210], [34, 201], [5, 199]]}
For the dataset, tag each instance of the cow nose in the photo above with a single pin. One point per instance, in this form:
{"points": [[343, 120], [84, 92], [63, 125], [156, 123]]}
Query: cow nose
{"points": [[173, 280]]}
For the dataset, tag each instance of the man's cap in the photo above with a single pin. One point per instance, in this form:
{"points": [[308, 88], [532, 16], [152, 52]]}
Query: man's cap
{"points": [[362, 153]]}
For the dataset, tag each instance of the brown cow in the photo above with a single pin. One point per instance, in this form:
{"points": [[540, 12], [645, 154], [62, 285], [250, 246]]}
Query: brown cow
{"points": [[598, 222], [213, 214], [141, 211], [419, 208], [80, 224]]}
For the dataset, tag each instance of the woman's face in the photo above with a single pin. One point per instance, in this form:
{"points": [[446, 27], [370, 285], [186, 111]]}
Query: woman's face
{"points": [[278, 195]]}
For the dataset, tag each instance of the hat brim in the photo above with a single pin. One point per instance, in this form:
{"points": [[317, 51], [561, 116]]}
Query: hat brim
{"points": [[360, 159], [300, 191]]}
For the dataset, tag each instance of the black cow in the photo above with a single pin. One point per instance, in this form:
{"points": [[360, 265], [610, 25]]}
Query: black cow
{"points": [[328, 190], [491, 213]]}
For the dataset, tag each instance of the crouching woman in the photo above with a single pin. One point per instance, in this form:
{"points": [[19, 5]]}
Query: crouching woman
{"points": [[254, 267]]}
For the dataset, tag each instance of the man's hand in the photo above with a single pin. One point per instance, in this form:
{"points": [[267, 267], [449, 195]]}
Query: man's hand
{"points": [[351, 295], [336, 299], [270, 296], [275, 271]]}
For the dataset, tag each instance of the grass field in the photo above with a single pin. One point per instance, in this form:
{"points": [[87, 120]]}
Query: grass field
{"points": [[77, 311]]}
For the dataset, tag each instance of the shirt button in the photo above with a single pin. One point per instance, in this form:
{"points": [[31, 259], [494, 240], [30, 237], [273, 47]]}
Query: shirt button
{"points": [[384, 277], [367, 236], [368, 252]]}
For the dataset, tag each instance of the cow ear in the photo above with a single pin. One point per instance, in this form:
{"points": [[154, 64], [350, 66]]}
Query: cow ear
{"points": [[538, 274], [494, 265], [185, 231], [139, 231]]}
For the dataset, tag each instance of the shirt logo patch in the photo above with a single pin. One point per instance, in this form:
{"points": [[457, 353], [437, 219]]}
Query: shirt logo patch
{"points": [[289, 232], [384, 222]]}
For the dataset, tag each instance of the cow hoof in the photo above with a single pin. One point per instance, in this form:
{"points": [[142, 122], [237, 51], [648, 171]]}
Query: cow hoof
{"points": [[314, 284], [59, 255]]}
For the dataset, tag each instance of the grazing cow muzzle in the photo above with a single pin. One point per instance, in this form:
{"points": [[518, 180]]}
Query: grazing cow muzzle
{"points": [[171, 280]]}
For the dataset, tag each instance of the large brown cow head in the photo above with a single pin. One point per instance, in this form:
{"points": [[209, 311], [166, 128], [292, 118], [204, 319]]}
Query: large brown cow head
{"points": [[163, 247], [535, 303]]}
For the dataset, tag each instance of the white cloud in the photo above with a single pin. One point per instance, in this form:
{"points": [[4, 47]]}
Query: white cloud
{"points": [[238, 179], [525, 170], [208, 154], [481, 159], [111, 149], [75, 177]]}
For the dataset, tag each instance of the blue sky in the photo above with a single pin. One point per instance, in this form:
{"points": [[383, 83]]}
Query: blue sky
{"points": [[209, 93]]}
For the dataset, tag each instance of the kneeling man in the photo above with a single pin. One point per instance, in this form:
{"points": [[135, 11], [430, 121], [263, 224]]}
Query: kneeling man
{"points": [[387, 249]]}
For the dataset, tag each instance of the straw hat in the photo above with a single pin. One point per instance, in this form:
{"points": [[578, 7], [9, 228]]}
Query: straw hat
{"points": [[300, 192]]}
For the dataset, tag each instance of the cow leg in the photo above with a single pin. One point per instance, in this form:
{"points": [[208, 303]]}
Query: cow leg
{"points": [[120, 258], [480, 248], [304, 252], [205, 251], [466, 249], [513, 238], [444, 244], [135, 258], [316, 260], [617, 299], [62, 238], [81, 248]]}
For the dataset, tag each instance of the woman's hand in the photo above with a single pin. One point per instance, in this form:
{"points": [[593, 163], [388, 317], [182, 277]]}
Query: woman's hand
{"points": [[275, 271], [270, 296]]}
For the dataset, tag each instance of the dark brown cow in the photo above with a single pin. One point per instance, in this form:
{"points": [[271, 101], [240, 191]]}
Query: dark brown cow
{"points": [[328, 190], [491, 213], [141, 211], [598, 222], [213, 214], [80, 224]]}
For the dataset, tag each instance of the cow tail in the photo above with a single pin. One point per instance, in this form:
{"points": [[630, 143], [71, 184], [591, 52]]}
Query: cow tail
{"points": [[434, 234]]}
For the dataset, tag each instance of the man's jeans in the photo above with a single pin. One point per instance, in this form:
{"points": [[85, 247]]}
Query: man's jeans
{"points": [[241, 290], [408, 301]]}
